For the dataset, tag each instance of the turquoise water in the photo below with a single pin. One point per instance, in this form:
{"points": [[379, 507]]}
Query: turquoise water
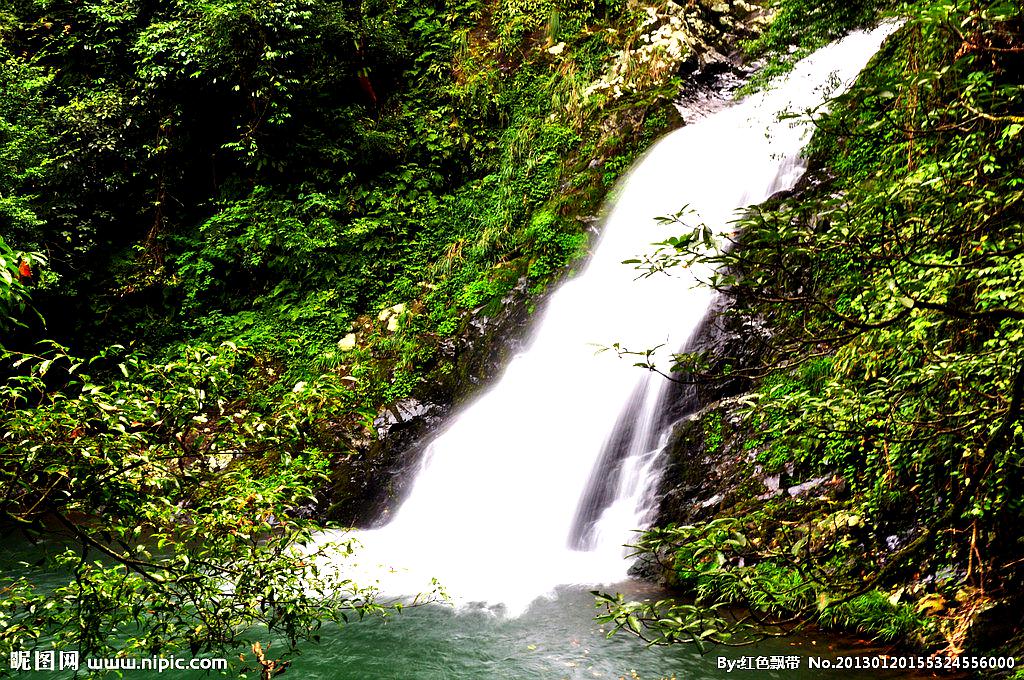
{"points": [[556, 638]]}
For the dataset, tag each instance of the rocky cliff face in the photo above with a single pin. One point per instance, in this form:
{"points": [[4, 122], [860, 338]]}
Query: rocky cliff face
{"points": [[370, 484], [702, 455], [714, 457]]}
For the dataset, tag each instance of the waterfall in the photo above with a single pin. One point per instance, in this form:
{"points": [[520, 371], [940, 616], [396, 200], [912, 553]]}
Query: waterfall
{"points": [[544, 478]]}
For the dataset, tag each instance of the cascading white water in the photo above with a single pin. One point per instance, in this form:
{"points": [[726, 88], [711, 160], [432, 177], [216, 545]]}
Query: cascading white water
{"points": [[492, 510]]}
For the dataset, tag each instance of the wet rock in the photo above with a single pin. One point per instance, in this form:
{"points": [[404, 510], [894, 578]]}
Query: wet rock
{"points": [[401, 412], [369, 485], [810, 485], [703, 474], [712, 91]]}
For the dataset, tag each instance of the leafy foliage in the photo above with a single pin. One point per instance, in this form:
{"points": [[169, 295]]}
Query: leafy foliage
{"points": [[892, 282], [335, 187], [16, 270], [180, 502], [235, 168], [798, 27], [747, 578]]}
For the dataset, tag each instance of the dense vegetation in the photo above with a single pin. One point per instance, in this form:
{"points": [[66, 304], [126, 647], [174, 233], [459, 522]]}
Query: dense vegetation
{"points": [[258, 222], [892, 282], [269, 173], [255, 223], [178, 494]]}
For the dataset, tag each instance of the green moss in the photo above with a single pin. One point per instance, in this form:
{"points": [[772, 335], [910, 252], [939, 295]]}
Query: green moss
{"points": [[712, 423]]}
